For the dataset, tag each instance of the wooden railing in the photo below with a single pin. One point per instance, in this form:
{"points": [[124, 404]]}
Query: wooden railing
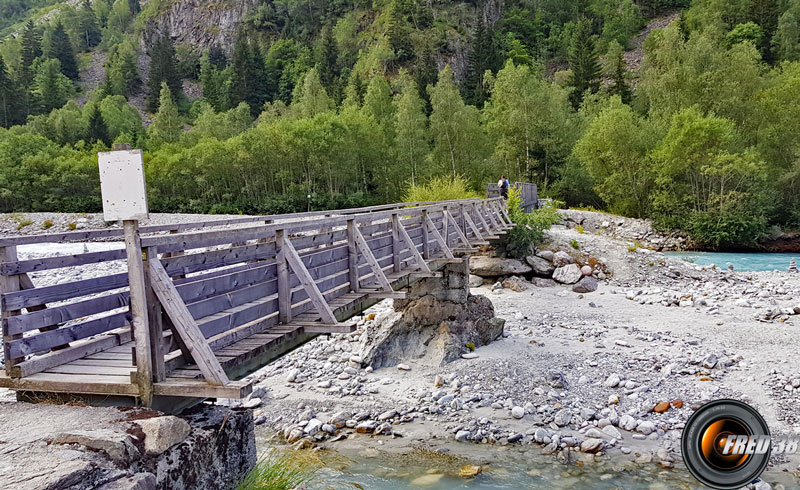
{"points": [[528, 194], [209, 288]]}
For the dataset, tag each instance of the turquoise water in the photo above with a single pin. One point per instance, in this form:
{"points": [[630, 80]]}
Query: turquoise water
{"points": [[740, 261]]}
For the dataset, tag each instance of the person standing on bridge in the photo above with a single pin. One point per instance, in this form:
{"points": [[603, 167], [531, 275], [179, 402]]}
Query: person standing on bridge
{"points": [[503, 184]]}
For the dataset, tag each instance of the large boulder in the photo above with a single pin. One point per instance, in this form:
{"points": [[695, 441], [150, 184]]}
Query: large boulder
{"points": [[515, 284], [541, 267], [496, 267], [562, 258], [586, 285], [568, 274], [433, 324]]}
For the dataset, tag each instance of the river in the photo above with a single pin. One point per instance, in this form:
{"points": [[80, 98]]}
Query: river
{"points": [[745, 262]]}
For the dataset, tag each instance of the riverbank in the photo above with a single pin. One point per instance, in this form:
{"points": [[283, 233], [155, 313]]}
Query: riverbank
{"points": [[615, 372]]}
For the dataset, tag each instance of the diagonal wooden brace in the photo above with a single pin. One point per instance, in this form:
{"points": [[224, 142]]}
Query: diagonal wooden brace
{"points": [[418, 260], [364, 249], [471, 226], [484, 224], [461, 236], [314, 294], [438, 236], [184, 324]]}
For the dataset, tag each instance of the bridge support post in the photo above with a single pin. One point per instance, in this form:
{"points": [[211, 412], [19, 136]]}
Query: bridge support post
{"points": [[284, 292], [140, 325], [9, 284], [395, 242], [426, 246], [154, 319]]}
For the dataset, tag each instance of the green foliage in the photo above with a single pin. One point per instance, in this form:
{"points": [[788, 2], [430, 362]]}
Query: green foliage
{"points": [[530, 227], [167, 125], [470, 346], [60, 48], [48, 223], [50, 86], [583, 61], [162, 71], [122, 75], [574, 244], [440, 189]]}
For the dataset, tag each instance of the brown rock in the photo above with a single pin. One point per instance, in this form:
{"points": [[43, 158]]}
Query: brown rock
{"points": [[678, 403], [661, 407], [469, 471]]}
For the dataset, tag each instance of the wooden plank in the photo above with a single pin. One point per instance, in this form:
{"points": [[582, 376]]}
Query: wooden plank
{"points": [[438, 237], [60, 292], [363, 248], [60, 314], [320, 328], [44, 341], [395, 243], [418, 259], [9, 284], [426, 251], [138, 308], [154, 319], [352, 251], [201, 389], [461, 237], [40, 363], [72, 383], [71, 368], [484, 224], [185, 325], [47, 263], [284, 291], [308, 283]]}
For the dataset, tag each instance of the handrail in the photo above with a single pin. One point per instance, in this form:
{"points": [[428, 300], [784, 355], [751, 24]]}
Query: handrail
{"points": [[177, 227]]}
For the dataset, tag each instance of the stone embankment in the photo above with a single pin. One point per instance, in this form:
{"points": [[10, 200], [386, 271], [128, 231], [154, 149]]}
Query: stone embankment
{"points": [[73, 447]]}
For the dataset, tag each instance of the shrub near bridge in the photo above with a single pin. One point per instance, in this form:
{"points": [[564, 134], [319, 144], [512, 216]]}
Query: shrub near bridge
{"points": [[530, 227]]}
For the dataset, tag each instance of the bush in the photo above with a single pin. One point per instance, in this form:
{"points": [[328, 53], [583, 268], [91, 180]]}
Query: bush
{"points": [[22, 223], [47, 224], [440, 189], [574, 244], [530, 227], [72, 226]]}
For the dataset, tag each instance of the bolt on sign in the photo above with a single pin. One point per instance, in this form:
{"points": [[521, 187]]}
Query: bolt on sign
{"points": [[122, 185]]}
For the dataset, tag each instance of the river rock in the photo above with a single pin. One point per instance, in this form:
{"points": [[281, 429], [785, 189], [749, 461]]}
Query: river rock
{"points": [[710, 361], [568, 274], [562, 417], [495, 266], [368, 426], [546, 255], [627, 422], [591, 445], [586, 270], [646, 427], [475, 281], [462, 435], [517, 412], [540, 266], [515, 284], [161, 433], [561, 258], [612, 432], [117, 446], [587, 284], [612, 380], [541, 282], [312, 427]]}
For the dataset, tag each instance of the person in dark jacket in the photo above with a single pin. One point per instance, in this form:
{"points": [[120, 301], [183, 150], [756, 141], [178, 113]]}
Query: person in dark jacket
{"points": [[503, 184]]}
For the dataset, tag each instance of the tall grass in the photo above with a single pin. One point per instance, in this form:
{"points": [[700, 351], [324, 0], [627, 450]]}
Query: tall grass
{"points": [[278, 470]]}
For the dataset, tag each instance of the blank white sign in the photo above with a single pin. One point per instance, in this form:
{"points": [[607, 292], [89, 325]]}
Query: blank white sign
{"points": [[122, 185]]}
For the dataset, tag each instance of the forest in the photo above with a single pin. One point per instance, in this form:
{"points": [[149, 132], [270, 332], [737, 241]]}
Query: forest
{"points": [[347, 103]]}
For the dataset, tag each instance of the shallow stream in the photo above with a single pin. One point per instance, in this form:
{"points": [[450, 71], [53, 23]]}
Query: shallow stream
{"points": [[744, 262]]}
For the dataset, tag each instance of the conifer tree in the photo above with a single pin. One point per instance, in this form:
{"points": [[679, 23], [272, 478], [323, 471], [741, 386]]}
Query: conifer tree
{"points": [[482, 56], [91, 35], [620, 86], [583, 61], [162, 70], [399, 33], [31, 45], [765, 13], [50, 86], [216, 83], [98, 130], [61, 49], [217, 58], [425, 73], [167, 125], [248, 76], [328, 62], [6, 96], [134, 6], [122, 75]]}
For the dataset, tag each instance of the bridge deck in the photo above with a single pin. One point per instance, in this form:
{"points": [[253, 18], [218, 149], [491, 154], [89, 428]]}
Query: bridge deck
{"points": [[223, 302]]}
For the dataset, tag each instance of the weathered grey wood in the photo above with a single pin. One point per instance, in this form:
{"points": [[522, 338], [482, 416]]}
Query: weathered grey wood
{"points": [[438, 237], [484, 224], [363, 248], [352, 250], [47, 263], [60, 292], [185, 325], [395, 243], [72, 383], [474, 229], [461, 237], [426, 247], [445, 226], [59, 314], [44, 341], [308, 283], [418, 259], [154, 318], [284, 291], [138, 308], [328, 328], [201, 389], [9, 284]]}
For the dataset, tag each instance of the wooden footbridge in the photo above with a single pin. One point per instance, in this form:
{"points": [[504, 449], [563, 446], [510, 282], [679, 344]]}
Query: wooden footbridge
{"points": [[202, 305]]}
